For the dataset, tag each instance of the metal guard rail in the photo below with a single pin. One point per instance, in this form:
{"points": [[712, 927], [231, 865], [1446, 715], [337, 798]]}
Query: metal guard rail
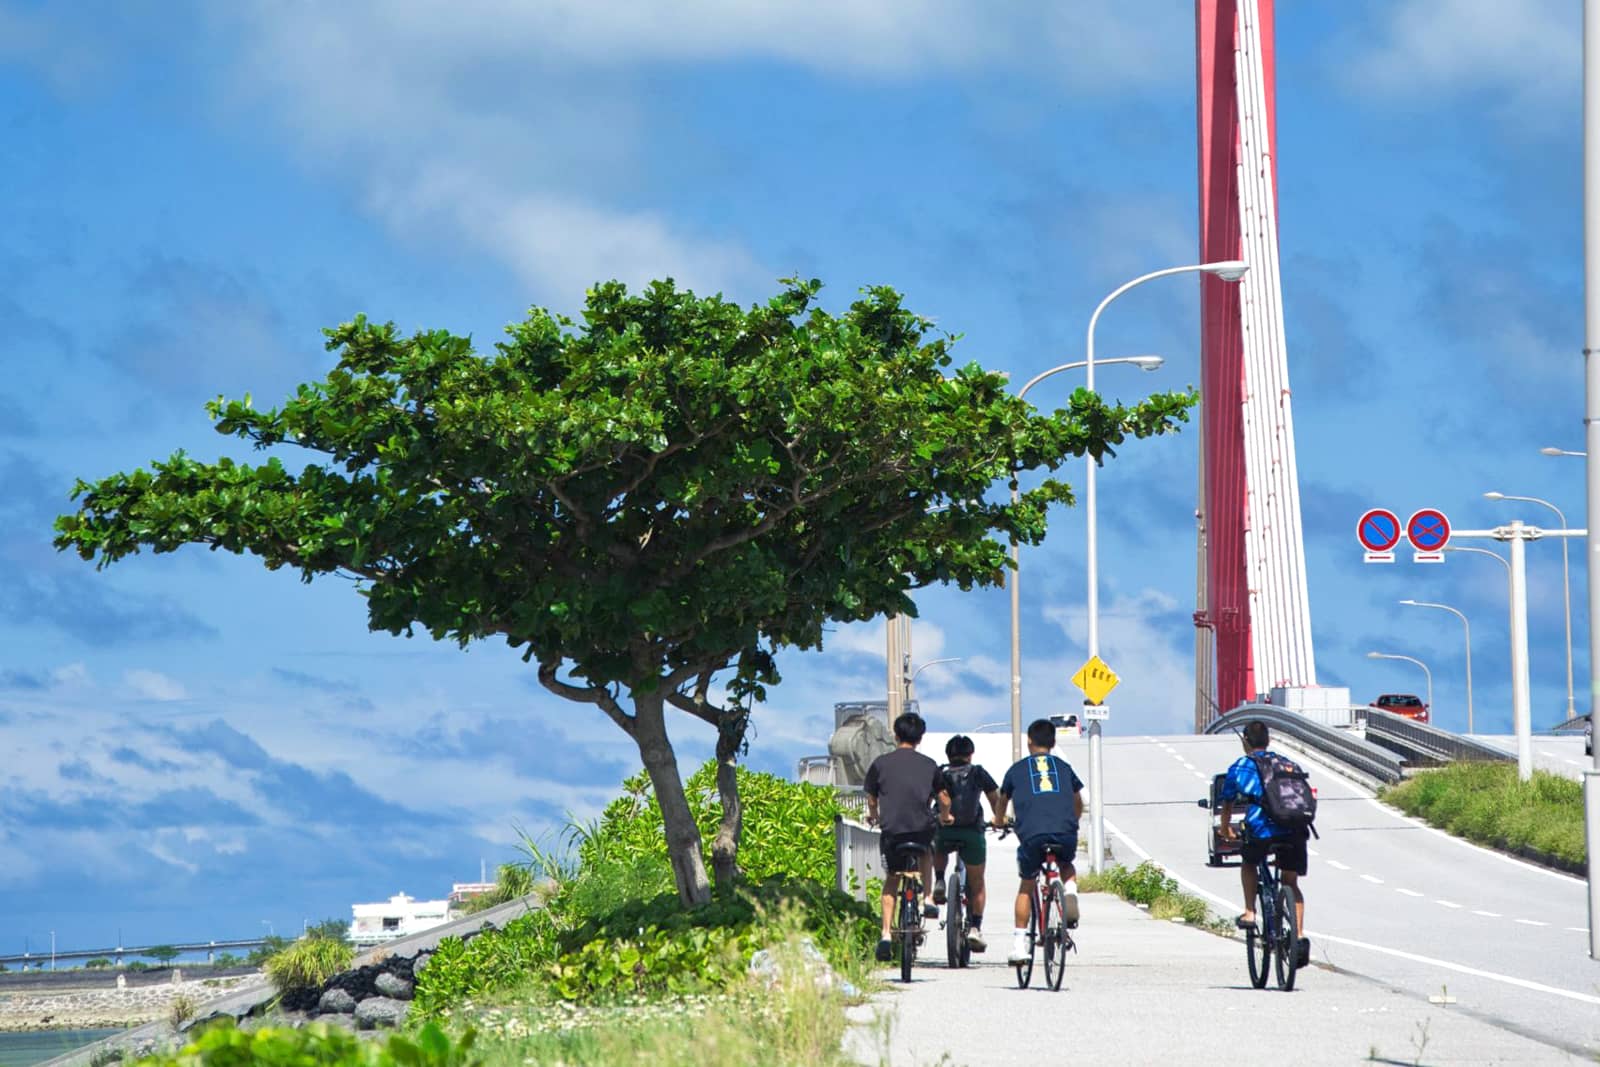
{"points": [[1363, 755], [1431, 739]]}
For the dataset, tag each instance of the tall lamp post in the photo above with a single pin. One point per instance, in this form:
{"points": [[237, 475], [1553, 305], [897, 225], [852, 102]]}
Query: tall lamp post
{"points": [[1468, 627], [1409, 659], [1144, 363], [1230, 270], [1566, 583]]}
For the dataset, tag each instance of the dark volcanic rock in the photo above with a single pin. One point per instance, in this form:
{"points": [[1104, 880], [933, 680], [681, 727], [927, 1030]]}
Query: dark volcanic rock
{"points": [[394, 986], [336, 1002]]}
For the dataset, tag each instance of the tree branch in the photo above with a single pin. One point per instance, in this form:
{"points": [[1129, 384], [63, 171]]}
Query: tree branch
{"points": [[585, 695]]}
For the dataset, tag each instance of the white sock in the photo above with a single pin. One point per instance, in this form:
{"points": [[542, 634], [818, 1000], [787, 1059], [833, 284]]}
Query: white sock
{"points": [[1072, 886], [1020, 934]]}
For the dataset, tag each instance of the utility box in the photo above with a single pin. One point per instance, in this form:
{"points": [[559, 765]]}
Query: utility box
{"points": [[1326, 704]]}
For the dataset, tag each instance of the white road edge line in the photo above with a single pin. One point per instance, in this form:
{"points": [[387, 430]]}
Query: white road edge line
{"points": [[1459, 968], [1307, 760]]}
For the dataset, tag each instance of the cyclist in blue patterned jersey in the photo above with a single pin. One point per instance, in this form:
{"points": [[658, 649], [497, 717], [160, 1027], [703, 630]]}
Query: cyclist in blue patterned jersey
{"points": [[1049, 798], [1261, 834]]}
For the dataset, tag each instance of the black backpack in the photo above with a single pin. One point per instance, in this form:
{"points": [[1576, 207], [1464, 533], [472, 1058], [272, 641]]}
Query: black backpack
{"points": [[966, 799], [1286, 794]]}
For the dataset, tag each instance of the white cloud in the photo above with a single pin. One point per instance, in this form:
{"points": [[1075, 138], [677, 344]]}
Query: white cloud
{"points": [[1530, 50], [1156, 694], [869, 639], [73, 675], [153, 685]]}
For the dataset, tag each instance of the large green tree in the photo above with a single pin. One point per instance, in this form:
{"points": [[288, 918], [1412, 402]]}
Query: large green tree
{"points": [[644, 502]]}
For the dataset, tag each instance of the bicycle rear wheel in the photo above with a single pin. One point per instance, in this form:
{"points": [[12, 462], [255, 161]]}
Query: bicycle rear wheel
{"points": [[910, 919], [955, 922], [1258, 944], [1025, 970], [1055, 936], [1288, 939]]}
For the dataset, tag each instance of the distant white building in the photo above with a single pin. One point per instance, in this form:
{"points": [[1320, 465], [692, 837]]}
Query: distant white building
{"points": [[399, 916], [461, 892]]}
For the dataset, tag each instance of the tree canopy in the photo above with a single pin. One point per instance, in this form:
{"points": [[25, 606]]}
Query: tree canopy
{"points": [[670, 487]]}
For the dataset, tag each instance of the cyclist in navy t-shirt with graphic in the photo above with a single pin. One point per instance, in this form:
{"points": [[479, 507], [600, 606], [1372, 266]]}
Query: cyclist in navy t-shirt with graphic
{"points": [[1049, 799], [1261, 834]]}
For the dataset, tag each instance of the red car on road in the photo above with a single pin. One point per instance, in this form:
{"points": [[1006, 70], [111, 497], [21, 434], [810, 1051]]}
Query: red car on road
{"points": [[1407, 704]]}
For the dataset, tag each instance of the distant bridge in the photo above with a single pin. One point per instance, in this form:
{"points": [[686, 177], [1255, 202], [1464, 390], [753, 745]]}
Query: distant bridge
{"points": [[210, 948]]}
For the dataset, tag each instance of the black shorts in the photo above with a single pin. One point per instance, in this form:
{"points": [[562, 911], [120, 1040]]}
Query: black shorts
{"points": [[1030, 853], [1290, 851], [887, 843]]}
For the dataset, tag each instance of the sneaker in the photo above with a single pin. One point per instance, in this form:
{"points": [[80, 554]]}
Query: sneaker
{"points": [[1019, 950], [1303, 956], [1069, 909], [938, 892], [885, 951], [975, 940], [930, 912]]}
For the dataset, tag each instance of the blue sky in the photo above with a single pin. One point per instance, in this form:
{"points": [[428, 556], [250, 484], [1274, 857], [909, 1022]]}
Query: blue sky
{"points": [[193, 745]]}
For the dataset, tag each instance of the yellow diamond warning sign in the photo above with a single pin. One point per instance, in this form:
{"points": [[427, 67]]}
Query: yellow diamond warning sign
{"points": [[1096, 679]]}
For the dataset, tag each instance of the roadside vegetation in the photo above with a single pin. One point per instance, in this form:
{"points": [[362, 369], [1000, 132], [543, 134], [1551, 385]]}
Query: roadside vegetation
{"points": [[612, 968], [1149, 885], [1486, 803]]}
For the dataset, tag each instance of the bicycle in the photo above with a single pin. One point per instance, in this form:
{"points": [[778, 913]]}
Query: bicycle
{"points": [[1048, 900], [1275, 938], [909, 931]]}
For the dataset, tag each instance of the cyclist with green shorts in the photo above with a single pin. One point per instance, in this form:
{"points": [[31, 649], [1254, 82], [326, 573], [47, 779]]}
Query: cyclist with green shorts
{"points": [[961, 831]]}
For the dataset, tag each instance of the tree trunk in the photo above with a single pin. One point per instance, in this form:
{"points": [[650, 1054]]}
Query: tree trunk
{"points": [[725, 848], [683, 836]]}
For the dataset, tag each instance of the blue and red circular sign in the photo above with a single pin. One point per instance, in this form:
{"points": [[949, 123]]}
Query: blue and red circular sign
{"points": [[1378, 530], [1428, 530]]}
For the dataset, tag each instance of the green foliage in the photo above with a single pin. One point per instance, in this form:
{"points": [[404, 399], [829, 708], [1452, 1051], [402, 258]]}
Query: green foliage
{"points": [[512, 881], [318, 1045], [99, 963], [671, 487], [494, 960], [1149, 885], [334, 929], [136, 965], [271, 945], [1486, 803], [308, 963], [788, 826], [161, 954], [227, 959]]}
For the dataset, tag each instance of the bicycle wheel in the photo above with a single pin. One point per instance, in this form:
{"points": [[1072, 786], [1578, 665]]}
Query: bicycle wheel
{"points": [[1258, 944], [1025, 970], [910, 919], [955, 921], [1055, 936], [1288, 939]]}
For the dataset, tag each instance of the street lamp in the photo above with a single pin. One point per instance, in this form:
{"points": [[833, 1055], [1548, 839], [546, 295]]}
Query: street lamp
{"points": [[911, 682], [1409, 659], [1561, 452], [1566, 584], [1147, 363], [1229, 270], [1468, 626]]}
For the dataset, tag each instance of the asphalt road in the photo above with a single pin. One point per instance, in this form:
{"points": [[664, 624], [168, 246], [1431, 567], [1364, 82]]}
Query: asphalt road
{"points": [[1398, 914], [1558, 755]]}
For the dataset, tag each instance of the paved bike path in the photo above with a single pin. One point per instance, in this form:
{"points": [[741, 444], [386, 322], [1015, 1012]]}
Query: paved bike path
{"points": [[1142, 991]]}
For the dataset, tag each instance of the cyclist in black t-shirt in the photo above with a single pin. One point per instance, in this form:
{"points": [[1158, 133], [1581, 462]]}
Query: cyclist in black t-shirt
{"points": [[962, 831], [900, 787]]}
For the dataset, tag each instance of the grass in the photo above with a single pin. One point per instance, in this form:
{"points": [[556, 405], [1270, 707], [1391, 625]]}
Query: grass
{"points": [[1486, 803], [308, 963], [792, 1022], [1149, 885]]}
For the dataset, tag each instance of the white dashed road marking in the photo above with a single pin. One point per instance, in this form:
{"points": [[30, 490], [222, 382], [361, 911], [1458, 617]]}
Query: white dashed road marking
{"points": [[1486, 914], [1532, 922], [1408, 892], [1336, 865], [1370, 878], [1447, 904]]}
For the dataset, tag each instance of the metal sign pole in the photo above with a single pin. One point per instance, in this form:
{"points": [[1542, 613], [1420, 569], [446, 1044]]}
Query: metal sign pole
{"points": [[1591, 426], [1521, 687]]}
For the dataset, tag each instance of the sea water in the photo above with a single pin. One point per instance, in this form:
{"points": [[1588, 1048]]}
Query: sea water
{"points": [[35, 1046]]}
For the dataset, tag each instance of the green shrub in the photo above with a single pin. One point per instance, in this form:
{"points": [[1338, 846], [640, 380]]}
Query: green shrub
{"points": [[221, 1045], [99, 963], [309, 963], [492, 961], [1486, 803]]}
